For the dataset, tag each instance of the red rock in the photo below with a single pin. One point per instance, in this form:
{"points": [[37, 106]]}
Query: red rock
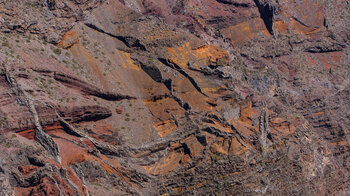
{"points": [[28, 169]]}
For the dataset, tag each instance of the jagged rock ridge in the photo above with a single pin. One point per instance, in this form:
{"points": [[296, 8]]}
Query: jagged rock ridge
{"points": [[145, 97]]}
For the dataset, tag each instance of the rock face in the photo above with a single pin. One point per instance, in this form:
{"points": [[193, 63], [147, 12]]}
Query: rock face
{"points": [[146, 97]]}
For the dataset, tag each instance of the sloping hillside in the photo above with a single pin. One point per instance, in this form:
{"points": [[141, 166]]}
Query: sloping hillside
{"points": [[185, 97]]}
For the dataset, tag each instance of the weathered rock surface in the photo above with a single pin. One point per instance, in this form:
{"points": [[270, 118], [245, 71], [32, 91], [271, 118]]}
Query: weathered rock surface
{"points": [[146, 97]]}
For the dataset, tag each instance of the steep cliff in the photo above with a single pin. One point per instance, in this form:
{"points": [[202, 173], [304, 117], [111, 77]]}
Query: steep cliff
{"points": [[146, 97]]}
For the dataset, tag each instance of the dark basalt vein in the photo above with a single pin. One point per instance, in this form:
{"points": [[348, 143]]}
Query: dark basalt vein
{"points": [[83, 86], [89, 89], [266, 10], [131, 42], [233, 3], [178, 68]]}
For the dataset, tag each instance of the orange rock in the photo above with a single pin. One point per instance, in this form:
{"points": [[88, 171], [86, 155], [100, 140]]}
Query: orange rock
{"points": [[161, 107], [166, 164], [68, 40], [228, 146], [176, 157], [281, 125], [211, 55], [300, 17], [246, 112], [195, 147], [29, 134], [203, 56], [245, 31], [166, 127]]}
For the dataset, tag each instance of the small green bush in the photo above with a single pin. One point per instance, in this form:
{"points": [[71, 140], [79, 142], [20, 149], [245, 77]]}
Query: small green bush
{"points": [[57, 51], [5, 44]]}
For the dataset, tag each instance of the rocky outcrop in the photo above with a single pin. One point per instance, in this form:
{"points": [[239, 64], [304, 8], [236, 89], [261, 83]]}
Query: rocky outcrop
{"points": [[147, 97], [51, 24]]}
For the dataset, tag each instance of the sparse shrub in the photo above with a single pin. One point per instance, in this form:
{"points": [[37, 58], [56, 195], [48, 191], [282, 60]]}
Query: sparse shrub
{"points": [[5, 44], [57, 51], [261, 148], [96, 183], [51, 4]]}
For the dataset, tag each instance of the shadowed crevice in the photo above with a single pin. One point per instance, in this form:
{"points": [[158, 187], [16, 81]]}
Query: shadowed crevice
{"points": [[129, 41], [266, 11], [178, 68]]}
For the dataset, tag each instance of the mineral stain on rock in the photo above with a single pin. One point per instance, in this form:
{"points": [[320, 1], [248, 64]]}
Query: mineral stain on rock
{"points": [[146, 97]]}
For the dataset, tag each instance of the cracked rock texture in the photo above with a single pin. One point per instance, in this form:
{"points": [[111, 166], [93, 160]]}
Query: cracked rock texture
{"points": [[185, 97]]}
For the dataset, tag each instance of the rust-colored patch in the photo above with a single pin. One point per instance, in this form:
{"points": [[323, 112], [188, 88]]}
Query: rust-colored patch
{"points": [[246, 112], [175, 157], [68, 40], [163, 34], [212, 54], [27, 169], [281, 26], [29, 134], [166, 164], [46, 186], [166, 127], [300, 17], [207, 55], [282, 126], [318, 113], [161, 107], [228, 146], [245, 31], [127, 62], [180, 55]]}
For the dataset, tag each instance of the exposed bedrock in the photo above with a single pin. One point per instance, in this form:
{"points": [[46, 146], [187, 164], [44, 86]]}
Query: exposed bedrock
{"points": [[159, 97]]}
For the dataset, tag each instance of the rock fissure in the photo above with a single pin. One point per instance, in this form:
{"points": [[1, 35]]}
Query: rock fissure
{"points": [[178, 68], [129, 41], [43, 138], [219, 97]]}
